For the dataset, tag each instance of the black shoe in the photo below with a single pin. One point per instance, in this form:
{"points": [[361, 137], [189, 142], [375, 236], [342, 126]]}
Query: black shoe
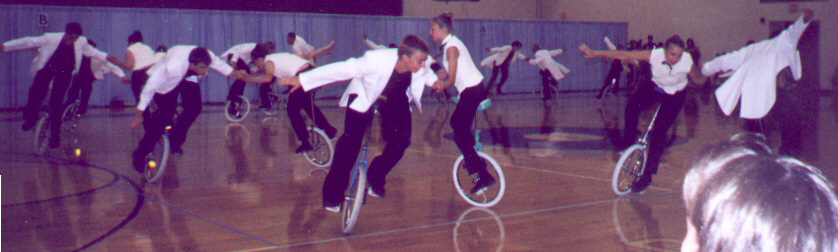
{"points": [[54, 142], [138, 163], [304, 147], [331, 132], [376, 192], [641, 184], [481, 183], [475, 166], [177, 151], [27, 125]]}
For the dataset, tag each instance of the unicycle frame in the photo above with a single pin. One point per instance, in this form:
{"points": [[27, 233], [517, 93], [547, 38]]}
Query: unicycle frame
{"points": [[641, 146], [350, 216]]}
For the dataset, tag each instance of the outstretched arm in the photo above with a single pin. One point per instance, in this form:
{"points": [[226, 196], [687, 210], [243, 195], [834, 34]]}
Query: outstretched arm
{"points": [[317, 51], [127, 64], [267, 77], [616, 54]]}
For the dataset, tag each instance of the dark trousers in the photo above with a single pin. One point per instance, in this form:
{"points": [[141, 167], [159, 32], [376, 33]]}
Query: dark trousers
{"points": [[504, 71], [83, 84], [138, 79], [671, 106], [395, 129], [461, 121], [547, 80], [237, 89], [302, 100], [38, 91], [785, 114], [190, 95], [611, 78]]}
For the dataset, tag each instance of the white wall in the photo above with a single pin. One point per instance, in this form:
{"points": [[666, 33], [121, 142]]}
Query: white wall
{"points": [[715, 25]]}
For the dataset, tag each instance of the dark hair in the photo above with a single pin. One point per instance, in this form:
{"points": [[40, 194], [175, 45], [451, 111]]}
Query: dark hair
{"points": [[291, 35], [135, 37], [674, 40], [259, 52], [270, 46], [91, 43], [690, 43], [750, 41], [200, 55], [162, 48], [412, 43], [444, 21], [517, 43], [393, 45], [73, 28], [435, 67]]}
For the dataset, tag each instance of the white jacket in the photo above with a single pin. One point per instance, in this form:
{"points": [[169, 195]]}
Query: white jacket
{"points": [[165, 75], [499, 54], [544, 60], [47, 45], [100, 68], [370, 74], [755, 72]]}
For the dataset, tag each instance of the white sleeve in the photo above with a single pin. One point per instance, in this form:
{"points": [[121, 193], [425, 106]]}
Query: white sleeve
{"points": [[338, 71], [24, 43], [110, 67], [92, 52], [610, 45], [372, 45], [556, 52], [724, 63], [155, 79], [219, 65]]}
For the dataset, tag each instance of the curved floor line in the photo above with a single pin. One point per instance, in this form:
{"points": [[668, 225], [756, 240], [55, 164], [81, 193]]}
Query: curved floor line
{"points": [[112, 182], [129, 218]]}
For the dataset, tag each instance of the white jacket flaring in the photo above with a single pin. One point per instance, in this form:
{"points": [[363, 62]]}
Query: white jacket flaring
{"points": [[544, 60], [48, 43], [499, 54]]}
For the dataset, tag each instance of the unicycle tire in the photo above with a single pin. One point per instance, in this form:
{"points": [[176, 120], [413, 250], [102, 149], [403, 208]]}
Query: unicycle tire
{"points": [[322, 150], [42, 135], [242, 107], [351, 207], [463, 182], [155, 162], [628, 169], [275, 101]]}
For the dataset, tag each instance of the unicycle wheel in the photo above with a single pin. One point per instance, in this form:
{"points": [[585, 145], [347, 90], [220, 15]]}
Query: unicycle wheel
{"points": [[463, 182], [242, 107], [155, 162], [629, 167], [42, 135], [322, 150], [351, 207]]}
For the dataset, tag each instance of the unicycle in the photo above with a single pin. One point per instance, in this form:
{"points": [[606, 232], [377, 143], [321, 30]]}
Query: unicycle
{"points": [[155, 162], [242, 106], [323, 150], [69, 122], [491, 195], [632, 163], [351, 207]]}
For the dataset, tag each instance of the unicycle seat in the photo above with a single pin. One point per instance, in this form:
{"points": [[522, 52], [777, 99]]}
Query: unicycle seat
{"points": [[485, 104]]}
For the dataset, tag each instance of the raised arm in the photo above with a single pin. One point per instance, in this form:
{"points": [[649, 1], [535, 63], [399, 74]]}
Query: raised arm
{"points": [[616, 54], [556, 52], [371, 44], [318, 51], [23, 43]]}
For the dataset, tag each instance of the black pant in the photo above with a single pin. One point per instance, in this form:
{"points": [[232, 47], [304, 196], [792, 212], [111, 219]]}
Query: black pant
{"points": [[83, 84], [395, 129], [237, 89], [671, 106], [504, 71], [611, 78], [547, 80], [138, 79], [190, 95], [302, 100], [461, 121], [38, 91]]}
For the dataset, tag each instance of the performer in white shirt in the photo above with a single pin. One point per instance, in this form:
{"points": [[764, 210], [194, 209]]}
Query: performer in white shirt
{"points": [[391, 77], [550, 70], [303, 49], [670, 68], [91, 69], [239, 57], [139, 57], [756, 70], [282, 65], [463, 74], [500, 60], [59, 57], [176, 75]]}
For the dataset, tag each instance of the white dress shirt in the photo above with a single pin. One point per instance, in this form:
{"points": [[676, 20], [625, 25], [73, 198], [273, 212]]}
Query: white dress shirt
{"points": [[143, 55], [300, 47], [499, 54], [467, 73], [544, 60], [755, 72], [286, 64], [239, 51], [670, 78], [167, 74], [370, 74], [48, 43], [100, 68]]}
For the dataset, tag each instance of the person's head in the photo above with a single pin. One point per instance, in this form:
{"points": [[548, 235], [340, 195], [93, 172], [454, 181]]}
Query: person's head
{"points": [[535, 48], [291, 37], [257, 56], [673, 49], [270, 46], [135, 37], [413, 52], [740, 196], [750, 41], [199, 61], [161, 48], [72, 32], [441, 26], [516, 45], [393, 45], [690, 43], [650, 38]]}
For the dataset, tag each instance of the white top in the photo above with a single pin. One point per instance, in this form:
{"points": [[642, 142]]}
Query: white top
{"points": [[544, 60], [239, 51], [755, 72], [158, 56], [100, 68], [670, 79], [143, 55], [164, 76], [372, 45], [300, 47], [370, 74], [48, 43], [286, 64], [499, 54], [467, 73]]}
